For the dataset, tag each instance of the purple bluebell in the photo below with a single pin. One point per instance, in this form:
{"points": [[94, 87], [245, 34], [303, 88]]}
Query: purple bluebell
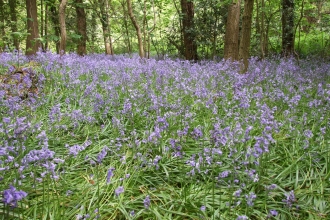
{"points": [[250, 198], [110, 174], [290, 199], [273, 213], [119, 190], [146, 202], [242, 217], [237, 193], [11, 196], [102, 154], [224, 174]]}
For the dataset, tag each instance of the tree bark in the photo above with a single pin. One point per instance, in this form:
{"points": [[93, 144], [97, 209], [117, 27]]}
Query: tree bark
{"points": [[127, 38], [104, 18], [62, 26], [190, 47], [32, 43], [137, 28], [13, 22], [245, 41], [2, 26], [93, 38], [46, 26], [81, 27], [232, 31], [287, 28], [42, 23], [54, 19]]}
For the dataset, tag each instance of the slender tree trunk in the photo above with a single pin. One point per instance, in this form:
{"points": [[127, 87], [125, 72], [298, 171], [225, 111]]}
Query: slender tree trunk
{"points": [[144, 28], [93, 31], [190, 47], [104, 18], [245, 41], [137, 28], [127, 37], [260, 27], [42, 23], [287, 28], [2, 26], [46, 26], [179, 47], [81, 27], [13, 23], [232, 31], [32, 43], [263, 39], [62, 26], [54, 19], [215, 35]]}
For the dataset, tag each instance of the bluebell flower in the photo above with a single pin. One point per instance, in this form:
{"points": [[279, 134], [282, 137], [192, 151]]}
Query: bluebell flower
{"points": [[273, 213], [110, 174], [242, 217], [250, 198], [119, 190], [146, 202], [290, 198], [237, 193], [11, 196], [102, 154]]}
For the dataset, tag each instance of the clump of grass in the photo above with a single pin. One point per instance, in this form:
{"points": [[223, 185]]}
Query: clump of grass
{"points": [[123, 139]]}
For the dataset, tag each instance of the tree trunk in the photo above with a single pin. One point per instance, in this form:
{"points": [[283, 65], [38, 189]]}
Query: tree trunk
{"points": [[42, 24], [190, 47], [287, 28], [32, 43], [232, 31], [2, 26], [137, 28], [245, 41], [81, 27], [105, 26], [93, 31], [263, 35], [61, 12], [46, 26], [54, 18], [144, 28], [127, 37], [13, 22], [260, 27]]}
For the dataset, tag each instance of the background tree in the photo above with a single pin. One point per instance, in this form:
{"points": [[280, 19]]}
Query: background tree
{"points": [[103, 12], [32, 41], [54, 18], [13, 22], [232, 31], [81, 27], [42, 24], [209, 26], [137, 27], [61, 12], [2, 26], [190, 29], [126, 28], [244, 45], [287, 27], [92, 31], [190, 48]]}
